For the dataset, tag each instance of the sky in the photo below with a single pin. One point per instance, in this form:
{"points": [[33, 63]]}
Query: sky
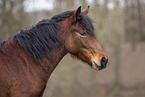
{"points": [[32, 5]]}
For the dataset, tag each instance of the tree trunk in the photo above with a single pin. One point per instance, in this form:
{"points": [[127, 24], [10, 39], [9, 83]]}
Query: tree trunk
{"points": [[116, 46], [140, 26]]}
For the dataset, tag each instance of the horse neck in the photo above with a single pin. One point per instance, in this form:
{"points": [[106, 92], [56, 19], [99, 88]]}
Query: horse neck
{"points": [[45, 64], [60, 51], [57, 53], [51, 61]]}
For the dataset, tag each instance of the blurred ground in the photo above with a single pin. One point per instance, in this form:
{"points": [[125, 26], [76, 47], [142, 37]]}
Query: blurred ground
{"points": [[91, 83]]}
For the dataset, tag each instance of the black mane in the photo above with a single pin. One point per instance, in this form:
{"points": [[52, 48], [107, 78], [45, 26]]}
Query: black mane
{"points": [[86, 23], [1, 46], [38, 40]]}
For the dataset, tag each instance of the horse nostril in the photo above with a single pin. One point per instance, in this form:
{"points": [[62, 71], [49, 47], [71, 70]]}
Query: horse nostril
{"points": [[104, 62]]}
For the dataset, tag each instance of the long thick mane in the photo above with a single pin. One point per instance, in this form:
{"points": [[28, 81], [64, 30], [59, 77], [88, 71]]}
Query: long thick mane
{"points": [[38, 40], [1, 46]]}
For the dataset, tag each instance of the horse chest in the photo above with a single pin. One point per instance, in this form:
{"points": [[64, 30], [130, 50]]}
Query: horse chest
{"points": [[35, 84]]}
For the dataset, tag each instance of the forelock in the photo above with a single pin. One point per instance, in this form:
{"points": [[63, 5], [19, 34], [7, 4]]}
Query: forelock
{"points": [[86, 23]]}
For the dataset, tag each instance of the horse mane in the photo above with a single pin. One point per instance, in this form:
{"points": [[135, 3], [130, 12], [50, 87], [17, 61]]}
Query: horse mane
{"points": [[1, 46], [86, 23], [38, 40]]}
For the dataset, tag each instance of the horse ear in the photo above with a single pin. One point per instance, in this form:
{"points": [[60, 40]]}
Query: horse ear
{"points": [[78, 13], [86, 10]]}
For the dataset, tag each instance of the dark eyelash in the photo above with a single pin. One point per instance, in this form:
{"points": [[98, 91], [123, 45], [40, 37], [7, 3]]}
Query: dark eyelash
{"points": [[83, 34]]}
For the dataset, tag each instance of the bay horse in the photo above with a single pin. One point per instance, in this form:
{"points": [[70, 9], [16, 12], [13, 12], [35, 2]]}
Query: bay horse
{"points": [[28, 58]]}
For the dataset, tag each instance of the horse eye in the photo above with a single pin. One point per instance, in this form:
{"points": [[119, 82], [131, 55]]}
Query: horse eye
{"points": [[83, 33]]}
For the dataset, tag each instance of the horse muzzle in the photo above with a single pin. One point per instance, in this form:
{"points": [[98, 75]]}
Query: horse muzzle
{"points": [[100, 65]]}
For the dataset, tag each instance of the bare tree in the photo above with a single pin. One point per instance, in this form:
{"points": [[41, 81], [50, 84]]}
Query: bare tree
{"points": [[140, 26], [12, 17], [116, 43]]}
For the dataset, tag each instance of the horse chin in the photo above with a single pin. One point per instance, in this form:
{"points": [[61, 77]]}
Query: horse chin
{"points": [[95, 66]]}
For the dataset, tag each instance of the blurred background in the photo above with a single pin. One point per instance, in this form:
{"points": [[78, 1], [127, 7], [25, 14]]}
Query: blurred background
{"points": [[120, 30]]}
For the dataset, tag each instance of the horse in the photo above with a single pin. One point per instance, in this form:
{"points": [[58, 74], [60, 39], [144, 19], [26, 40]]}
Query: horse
{"points": [[28, 58]]}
